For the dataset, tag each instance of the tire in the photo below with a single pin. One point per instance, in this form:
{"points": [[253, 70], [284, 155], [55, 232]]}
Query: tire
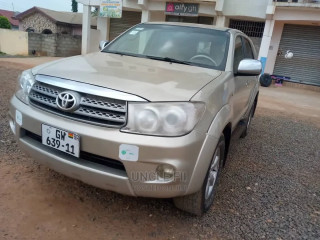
{"points": [[265, 80], [248, 122], [200, 202]]}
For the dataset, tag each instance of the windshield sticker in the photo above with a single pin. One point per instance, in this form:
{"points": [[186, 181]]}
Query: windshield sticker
{"points": [[133, 32]]}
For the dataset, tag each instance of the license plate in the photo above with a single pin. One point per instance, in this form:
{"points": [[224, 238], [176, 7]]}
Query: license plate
{"points": [[61, 140]]}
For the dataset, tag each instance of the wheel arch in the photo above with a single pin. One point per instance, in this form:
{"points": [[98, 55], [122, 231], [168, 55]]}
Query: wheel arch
{"points": [[220, 124]]}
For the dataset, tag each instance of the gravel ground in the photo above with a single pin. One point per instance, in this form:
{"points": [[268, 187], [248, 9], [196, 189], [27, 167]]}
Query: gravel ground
{"points": [[270, 189]]}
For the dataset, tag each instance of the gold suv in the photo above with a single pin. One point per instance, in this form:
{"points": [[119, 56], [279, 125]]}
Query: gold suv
{"points": [[150, 115]]}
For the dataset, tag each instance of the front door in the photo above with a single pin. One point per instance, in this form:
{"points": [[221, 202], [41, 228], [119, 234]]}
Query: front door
{"points": [[243, 84]]}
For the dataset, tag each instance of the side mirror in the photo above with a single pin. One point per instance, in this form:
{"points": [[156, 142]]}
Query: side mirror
{"points": [[103, 44], [249, 67]]}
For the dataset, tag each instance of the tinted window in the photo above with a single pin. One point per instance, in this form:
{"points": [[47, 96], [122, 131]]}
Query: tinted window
{"points": [[248, 50], [197, 46], [238, 54]]}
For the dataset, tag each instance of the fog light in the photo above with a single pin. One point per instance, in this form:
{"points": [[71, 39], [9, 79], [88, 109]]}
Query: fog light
{"points": [[165, 172], [12, 126]]}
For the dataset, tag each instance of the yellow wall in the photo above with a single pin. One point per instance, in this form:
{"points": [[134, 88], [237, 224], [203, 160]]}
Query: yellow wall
{"points": [[13, 42]]}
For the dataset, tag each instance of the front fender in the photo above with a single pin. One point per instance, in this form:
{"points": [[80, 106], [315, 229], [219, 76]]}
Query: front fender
{"points": [[218, 124]]}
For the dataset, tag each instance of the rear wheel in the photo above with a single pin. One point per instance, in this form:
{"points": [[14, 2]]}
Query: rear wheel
{"points": [[201, 201]]}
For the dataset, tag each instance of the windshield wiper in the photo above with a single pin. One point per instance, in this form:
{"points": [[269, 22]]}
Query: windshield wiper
{"points": [[165, 59], [171, 60], [121, 53]]}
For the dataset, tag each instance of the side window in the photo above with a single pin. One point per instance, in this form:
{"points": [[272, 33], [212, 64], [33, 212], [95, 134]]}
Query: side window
{"points": [[238, 54], [248, 53]]}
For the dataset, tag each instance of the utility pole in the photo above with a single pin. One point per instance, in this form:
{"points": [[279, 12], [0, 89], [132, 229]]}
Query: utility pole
{"points": [[12, 7]]}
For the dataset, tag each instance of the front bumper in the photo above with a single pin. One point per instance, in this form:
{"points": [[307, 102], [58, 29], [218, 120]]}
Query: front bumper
{"points": [[187, 154]]}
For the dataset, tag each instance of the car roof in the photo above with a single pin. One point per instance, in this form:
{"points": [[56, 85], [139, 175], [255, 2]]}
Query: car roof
{"points": [[195, 25]]}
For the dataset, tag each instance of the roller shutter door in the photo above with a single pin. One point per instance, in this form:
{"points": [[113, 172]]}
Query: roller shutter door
{"points": [[304, 42], [119, 25]]}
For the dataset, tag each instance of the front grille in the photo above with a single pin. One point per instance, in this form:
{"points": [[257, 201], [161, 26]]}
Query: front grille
{"points": [[93, 109], [85, 155]]}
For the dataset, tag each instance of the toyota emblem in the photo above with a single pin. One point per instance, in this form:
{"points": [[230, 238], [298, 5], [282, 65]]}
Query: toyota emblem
{"points": [[67, 101]]}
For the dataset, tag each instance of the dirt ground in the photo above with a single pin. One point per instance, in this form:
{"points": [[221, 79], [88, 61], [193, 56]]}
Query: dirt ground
{"points": [[270, 187]]}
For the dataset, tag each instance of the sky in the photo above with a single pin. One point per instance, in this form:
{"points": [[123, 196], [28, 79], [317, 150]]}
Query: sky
{"points": [[23, 5]]}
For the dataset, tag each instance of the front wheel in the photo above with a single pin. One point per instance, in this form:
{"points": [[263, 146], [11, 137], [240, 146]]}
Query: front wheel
{"points": [[201, 201]]}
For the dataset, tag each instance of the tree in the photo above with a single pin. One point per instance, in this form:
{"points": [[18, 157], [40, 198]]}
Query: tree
{"points": [[4, 23], [74, 6]]}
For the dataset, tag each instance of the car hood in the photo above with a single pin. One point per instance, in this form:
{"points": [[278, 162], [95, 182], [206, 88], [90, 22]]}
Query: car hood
{"points": [[150, 79]]}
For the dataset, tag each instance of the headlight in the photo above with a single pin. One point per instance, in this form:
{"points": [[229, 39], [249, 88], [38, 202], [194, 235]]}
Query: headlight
{"points": [[25, 83], [163, 119]]}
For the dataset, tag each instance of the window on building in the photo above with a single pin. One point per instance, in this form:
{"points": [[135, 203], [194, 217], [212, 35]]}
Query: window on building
{"points": [[252, 29], [30, 29], [200, 19], [46, 31]]}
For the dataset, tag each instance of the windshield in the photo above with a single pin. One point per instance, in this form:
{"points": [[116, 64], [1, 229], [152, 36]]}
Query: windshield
{"points": [[185, 45]]}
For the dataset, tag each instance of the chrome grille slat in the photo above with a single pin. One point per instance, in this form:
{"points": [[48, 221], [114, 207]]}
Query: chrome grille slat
{"points": [[93, 109], [45, 90], [101, 115], [103, 104], [44, 100]]}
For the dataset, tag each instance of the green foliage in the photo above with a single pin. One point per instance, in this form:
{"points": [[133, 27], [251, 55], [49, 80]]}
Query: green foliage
{"points": [[4, 23], [74, 6]]}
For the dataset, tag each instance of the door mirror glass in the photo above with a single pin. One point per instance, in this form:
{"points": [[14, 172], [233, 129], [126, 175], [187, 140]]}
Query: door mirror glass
{"points": [[103, 44], [249, 67]]}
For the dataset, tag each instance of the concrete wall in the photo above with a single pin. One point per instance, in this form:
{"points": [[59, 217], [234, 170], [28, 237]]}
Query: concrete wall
{"points": [[274, 46], [13, 42], [158, 16], [94, 41], [248, 9], [54, 45], [77, 31], [38, 22], [68, 45], [296, 14]]}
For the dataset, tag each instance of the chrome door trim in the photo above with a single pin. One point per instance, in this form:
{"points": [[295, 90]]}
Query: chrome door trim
{"points": [[88, 88]]}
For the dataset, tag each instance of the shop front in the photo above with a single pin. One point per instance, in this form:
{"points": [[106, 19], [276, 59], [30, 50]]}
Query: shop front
{"points": [[185, 12]]}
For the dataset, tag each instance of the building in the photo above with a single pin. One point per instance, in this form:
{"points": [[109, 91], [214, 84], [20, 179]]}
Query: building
{"points": [[294, 26], [41, 20], [10, 15], [275, 26]]}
